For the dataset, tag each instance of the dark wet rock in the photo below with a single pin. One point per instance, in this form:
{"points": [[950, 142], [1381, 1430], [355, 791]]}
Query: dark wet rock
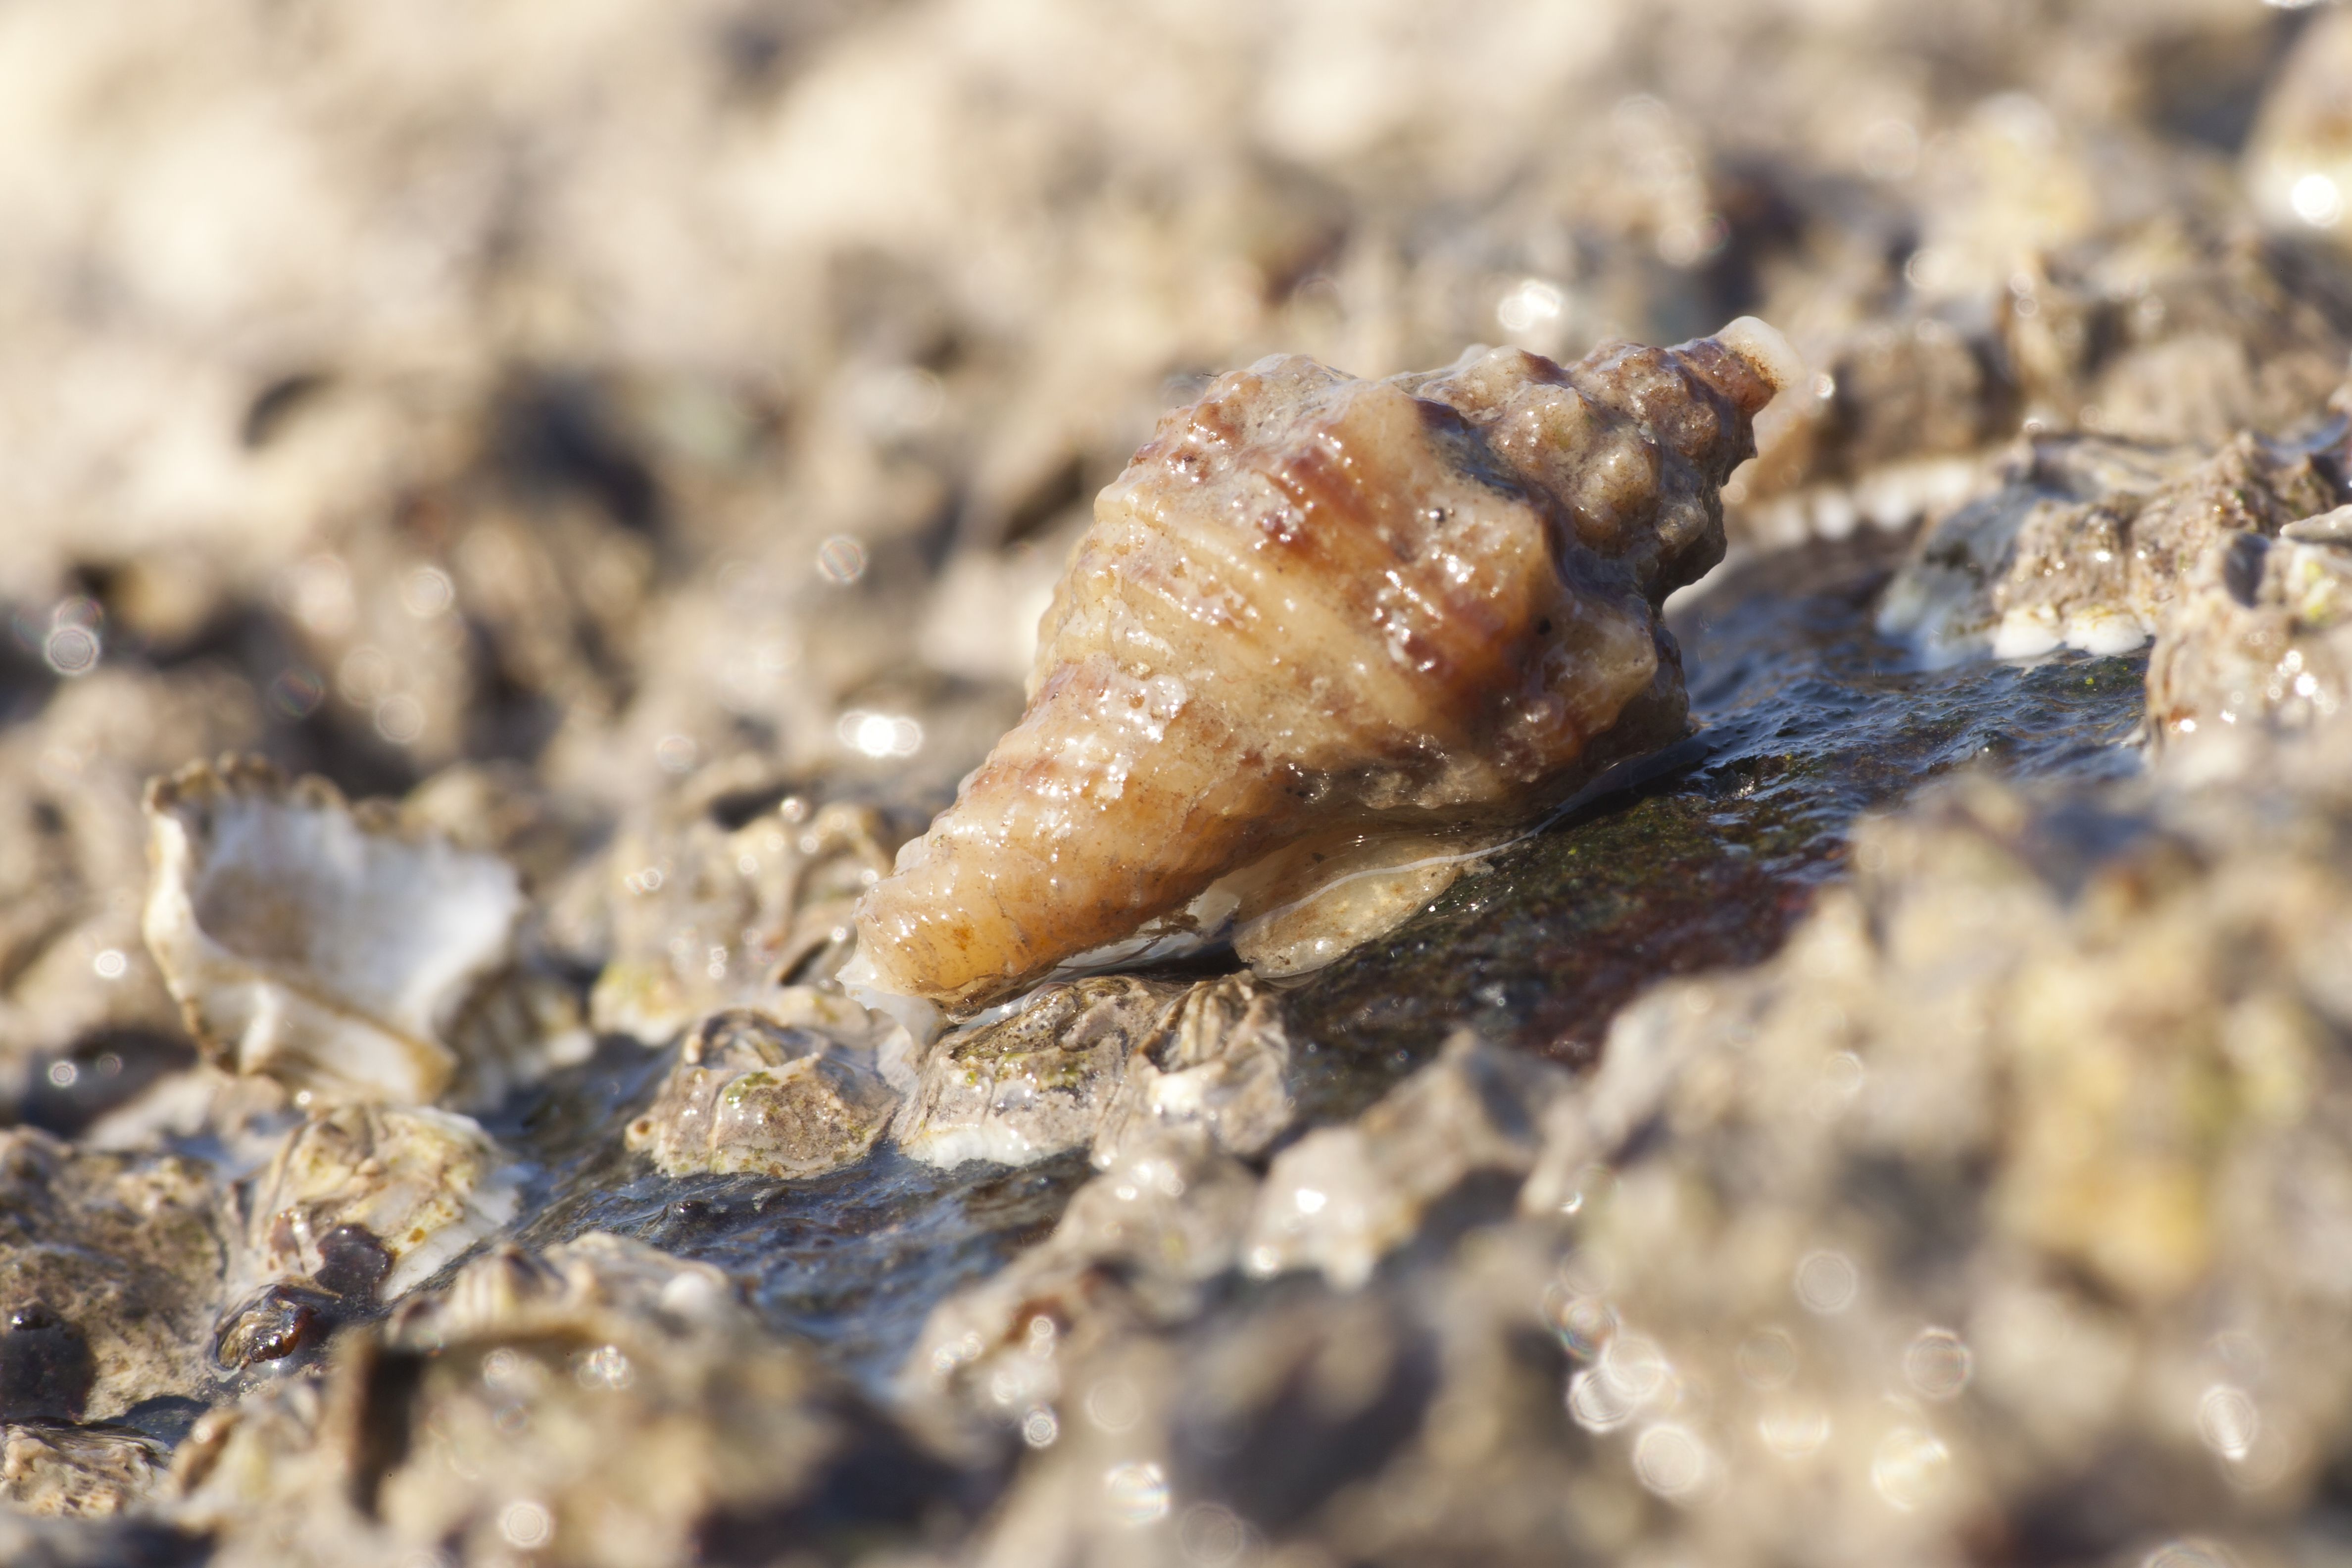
{"points": [[853, 1260], [752, 1094], [100, 1073], [109, 1265], [1807, 717], [45, 1364]]}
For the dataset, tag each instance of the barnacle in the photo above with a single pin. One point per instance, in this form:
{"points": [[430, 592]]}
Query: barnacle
{"points": [[749, 1093], [1316, 605]]}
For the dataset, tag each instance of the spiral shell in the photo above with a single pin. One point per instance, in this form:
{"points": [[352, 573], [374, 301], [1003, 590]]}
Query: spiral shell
{"points": [[1314, 602]]}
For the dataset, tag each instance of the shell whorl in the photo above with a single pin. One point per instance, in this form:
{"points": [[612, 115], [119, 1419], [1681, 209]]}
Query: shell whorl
{"points": [[1312, 600]]}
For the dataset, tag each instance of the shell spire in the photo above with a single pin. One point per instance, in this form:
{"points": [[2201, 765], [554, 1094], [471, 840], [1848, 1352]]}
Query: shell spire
{"points": [[1314, 601]]}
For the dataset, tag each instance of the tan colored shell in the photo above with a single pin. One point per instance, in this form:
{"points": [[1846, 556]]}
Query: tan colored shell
{"points": [[1313, 601]]}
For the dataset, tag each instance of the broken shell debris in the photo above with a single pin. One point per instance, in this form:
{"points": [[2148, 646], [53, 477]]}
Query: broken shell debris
{"points": [[333, 950], [2092, 544], [371, 1201], [612, 1358]]}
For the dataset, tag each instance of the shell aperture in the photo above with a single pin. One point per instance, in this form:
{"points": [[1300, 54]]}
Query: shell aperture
{"points": [[1313, 602]]}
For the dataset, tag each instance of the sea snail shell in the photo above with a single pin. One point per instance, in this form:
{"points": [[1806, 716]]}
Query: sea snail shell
{"points": [[1313, 601]]}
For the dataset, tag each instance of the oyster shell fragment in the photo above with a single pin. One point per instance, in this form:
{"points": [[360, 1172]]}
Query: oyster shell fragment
{"points": [[76, 1472], [1313, 602], [1034, 1084], [334, 950], [1219, 1062]]}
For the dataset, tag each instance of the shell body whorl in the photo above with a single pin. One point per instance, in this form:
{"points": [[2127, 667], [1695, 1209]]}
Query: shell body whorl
{"points": [[1312, 601]]}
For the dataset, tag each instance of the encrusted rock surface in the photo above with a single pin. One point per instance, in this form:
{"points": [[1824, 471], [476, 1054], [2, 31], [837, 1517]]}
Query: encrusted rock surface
{"points": [[613, 463], [754, 885], [2089, 543], [1218, 1062], [109, 1265], [359, 1205], [1102, 1063], [601, 1403], [1982, 1194], [1034, 1083]]}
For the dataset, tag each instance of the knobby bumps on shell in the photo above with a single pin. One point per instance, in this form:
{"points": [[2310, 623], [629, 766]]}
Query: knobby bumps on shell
{"points": [[1315, 607]]}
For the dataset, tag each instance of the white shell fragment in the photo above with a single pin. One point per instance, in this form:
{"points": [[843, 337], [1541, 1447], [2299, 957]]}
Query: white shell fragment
{"points": [[327, 947]]}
